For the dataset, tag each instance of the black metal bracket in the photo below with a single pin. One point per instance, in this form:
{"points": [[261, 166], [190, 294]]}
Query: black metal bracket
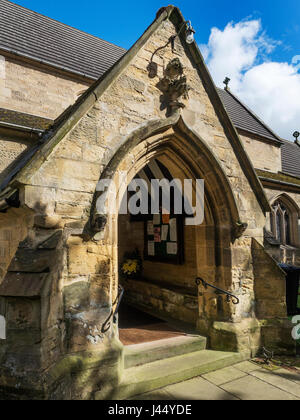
{"points": [[107, 324], [230, 297]]}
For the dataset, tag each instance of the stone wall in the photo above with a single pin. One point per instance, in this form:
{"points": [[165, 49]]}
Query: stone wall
{"points": [[263, 155], [270, 302], [11, 147], [263, 319], [33, 90], [269, 285], [162, 300], [13, 229]]}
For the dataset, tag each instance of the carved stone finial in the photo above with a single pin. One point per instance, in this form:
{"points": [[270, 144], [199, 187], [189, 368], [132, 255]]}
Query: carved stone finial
{"points": [[173, 86]]}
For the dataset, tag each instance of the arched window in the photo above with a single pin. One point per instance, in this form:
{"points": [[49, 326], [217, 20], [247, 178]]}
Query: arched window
{"points": [[281, 223], [287, 228]]}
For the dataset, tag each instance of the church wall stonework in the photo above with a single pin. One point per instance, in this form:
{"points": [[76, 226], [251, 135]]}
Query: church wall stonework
{"points": [[76, 276], [264, 156], [11, 147], [14, 227], [33, 90]]}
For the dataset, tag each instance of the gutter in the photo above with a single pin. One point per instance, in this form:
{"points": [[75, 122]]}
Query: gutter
{"points": [[260, 137], [22, 128], [47, 63], [275, 181]]}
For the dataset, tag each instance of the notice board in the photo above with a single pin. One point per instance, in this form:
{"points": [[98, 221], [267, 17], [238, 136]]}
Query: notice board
{"points": [[164, 241]]}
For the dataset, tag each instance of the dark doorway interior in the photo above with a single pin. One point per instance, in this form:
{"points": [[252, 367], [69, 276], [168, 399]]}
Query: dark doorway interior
{"points": [[292, 289]]}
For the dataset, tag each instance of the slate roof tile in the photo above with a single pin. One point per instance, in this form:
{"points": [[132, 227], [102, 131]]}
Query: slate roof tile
{"points": [[28, 33], [243, 118], [290, 153]]}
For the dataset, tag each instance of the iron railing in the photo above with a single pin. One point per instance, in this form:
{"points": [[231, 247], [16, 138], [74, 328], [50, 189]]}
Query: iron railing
{"points": [[107, 324], [230, 297]]}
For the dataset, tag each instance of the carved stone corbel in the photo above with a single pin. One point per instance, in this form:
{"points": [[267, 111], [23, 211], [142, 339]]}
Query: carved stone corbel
{"points": [[239, 229], [98, 223], [173, 86]]}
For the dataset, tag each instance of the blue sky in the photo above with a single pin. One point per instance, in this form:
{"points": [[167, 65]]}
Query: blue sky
{"points": [[122, 22], [265, 33]]}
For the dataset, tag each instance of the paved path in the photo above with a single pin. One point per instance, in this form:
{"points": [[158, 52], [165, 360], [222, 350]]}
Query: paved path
{"points": [[244, 381]]}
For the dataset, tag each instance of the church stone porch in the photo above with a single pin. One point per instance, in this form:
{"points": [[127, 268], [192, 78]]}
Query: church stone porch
{"points": [[60, 265]]}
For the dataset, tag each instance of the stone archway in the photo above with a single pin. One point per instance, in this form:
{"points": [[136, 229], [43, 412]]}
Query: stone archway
{"points": [[189, 157]]}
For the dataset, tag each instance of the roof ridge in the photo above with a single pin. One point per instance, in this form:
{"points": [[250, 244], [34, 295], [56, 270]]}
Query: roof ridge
{"points": [[252, 113], [63, 24]]}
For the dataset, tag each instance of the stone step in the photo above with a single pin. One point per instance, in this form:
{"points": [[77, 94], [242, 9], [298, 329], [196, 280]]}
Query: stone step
{"points": [[140, 354], [142, 379]]}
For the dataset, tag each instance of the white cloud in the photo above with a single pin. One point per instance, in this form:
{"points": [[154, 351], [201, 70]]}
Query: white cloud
{"points": [[272, 89]]}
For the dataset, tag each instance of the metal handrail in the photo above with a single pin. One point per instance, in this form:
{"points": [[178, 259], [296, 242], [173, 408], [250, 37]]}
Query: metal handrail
{"points": [[230, 297], [107, 324]]}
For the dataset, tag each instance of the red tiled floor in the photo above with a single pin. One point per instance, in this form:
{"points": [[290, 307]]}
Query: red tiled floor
{"points": [[137, 327], [147, 334]]}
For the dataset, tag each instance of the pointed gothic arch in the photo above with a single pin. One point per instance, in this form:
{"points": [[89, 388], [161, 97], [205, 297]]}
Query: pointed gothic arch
{"points": [[284, 220], [174, 137]]}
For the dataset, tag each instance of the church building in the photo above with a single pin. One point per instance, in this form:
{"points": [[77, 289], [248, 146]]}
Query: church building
{"points": [[78, 283]]}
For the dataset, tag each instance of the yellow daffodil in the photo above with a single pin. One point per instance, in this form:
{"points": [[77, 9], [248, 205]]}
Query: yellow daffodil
{"points": [[130, 267]]}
